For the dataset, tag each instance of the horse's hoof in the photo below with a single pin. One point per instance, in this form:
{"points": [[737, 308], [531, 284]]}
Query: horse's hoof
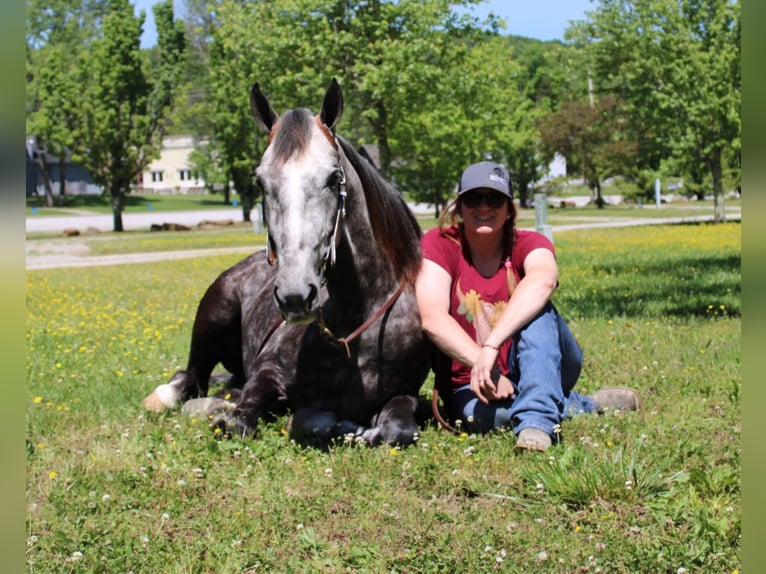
{"points": [[228, 425], [154, 404], [309, 424], [163, 398], [207, 406]]}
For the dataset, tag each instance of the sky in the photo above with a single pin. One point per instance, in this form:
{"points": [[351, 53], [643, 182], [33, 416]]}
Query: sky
{"points": [[539, 19]]}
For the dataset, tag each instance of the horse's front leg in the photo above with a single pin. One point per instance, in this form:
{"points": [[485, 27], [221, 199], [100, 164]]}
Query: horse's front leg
{"points": [[182, 386], [260, 398], [395, 424]]}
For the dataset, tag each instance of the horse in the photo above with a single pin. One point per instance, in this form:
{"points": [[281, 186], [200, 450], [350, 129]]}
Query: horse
{"points": [[323, 324]]}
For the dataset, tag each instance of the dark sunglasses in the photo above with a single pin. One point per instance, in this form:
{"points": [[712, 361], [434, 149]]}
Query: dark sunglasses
{"points": [[493, 199]]}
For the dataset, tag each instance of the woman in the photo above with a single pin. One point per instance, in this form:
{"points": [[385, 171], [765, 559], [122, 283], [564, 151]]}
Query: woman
{"points": [[484, 294]]}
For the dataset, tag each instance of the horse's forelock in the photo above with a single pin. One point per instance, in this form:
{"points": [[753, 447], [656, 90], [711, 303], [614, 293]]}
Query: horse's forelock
{"points": [[393, 224], [291, 135]]}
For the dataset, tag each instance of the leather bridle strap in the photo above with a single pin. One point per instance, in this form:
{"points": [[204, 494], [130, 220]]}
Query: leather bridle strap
{"points": [[344, 341], [438, 415]]}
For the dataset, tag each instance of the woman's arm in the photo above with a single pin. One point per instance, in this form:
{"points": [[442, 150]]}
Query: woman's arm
{"points": [[433, 290], [530, 296]]}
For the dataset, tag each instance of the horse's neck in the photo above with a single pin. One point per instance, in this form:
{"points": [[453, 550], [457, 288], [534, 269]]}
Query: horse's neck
{"points": [[362, 278]]}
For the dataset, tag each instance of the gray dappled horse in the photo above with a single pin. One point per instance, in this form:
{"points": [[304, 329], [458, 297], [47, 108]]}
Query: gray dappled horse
{"points": [[324, 324]]}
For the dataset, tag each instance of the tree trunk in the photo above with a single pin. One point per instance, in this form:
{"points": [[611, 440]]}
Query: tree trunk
{"points": [[226, 194], [716, 170], [117, 199], [599, 198], [43, 165], [381, 131], [62, 182], [244, 187]]}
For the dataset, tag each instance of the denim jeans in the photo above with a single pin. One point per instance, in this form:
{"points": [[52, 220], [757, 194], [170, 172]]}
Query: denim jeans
{"points": [[545, 362]]}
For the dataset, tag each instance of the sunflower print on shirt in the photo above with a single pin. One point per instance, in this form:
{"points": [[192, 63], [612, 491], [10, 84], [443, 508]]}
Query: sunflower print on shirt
{"points": [[481, 314]]}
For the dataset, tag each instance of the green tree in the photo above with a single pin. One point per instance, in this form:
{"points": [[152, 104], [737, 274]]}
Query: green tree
{"points": [[475, 114], [388, 56], [676, 64], [122, 109], [57, 34], [592, 137]]}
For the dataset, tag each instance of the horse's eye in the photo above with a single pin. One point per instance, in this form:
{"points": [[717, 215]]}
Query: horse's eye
{"points": [[259, 184], [333, 181]]}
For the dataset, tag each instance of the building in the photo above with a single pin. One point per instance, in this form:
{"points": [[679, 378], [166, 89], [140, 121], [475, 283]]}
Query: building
{"points": [[172, 172], [78, 179]]}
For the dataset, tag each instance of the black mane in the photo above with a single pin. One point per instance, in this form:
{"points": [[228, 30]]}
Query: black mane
{"points": [[393, 224]]}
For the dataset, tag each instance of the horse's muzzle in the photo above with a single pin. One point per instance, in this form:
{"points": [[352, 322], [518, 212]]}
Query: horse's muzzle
{"points": [[298, 308]]}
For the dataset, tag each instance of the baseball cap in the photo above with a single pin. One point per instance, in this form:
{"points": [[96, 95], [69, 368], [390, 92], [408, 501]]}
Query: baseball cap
{"points": [[485, 175]]}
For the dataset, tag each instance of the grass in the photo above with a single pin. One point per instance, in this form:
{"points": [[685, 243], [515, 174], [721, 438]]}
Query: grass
{"points": [[113, 489], [133, 203]]}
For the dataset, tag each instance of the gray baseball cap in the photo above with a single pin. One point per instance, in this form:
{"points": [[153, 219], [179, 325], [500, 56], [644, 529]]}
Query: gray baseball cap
{"points": [[485, 175]]}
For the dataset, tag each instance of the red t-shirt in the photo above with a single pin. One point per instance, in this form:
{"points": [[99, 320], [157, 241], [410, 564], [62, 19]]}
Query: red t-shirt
{"points": [[476, 302]]}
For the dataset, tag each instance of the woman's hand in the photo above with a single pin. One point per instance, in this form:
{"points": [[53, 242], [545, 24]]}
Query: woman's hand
{"points": [[486, 380]]}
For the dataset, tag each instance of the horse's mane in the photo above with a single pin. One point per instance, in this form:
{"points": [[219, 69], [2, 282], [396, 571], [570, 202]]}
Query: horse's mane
{"points": [[393, 224]]}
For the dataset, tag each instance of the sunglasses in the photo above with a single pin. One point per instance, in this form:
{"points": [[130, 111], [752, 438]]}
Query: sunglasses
{"points": [[493, 199]]}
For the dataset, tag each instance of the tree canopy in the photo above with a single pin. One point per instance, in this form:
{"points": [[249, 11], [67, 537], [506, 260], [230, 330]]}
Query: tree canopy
{"points": [[676, 65], [640, 87]]}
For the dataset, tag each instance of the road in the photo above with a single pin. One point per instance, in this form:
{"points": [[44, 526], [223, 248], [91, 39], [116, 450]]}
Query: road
{"points": [[74, 251]]}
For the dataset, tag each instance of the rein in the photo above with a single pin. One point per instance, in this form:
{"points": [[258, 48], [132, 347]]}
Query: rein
{"points": [[344, 341], [340, 342]]}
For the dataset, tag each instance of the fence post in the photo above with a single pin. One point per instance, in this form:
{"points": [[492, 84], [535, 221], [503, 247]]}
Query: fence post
{"points": [[541, 216]]}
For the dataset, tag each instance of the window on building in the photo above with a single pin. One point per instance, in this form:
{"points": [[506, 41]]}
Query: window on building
{"points": [[156, 176], [184, 174]]}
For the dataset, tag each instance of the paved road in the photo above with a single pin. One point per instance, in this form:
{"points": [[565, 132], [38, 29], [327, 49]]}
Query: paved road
{"points": [[74, 252], [130, 221], [144, 220]]}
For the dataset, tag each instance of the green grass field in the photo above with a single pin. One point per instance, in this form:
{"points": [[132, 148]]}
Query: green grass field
{"points": [[111, 488], [133, 203]]}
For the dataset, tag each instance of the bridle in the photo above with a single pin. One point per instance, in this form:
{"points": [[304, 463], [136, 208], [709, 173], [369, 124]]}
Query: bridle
{"points": [[329, 256], [329, 260]]}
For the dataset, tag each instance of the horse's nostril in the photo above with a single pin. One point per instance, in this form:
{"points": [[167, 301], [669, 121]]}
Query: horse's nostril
{"points": [[276, 296], [313, 292]]}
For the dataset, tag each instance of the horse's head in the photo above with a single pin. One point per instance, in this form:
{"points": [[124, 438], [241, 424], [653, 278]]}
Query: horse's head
{"points": [[303, 187]]}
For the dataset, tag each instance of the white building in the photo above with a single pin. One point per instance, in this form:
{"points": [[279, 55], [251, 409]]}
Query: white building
{"points": [[173, 172]]}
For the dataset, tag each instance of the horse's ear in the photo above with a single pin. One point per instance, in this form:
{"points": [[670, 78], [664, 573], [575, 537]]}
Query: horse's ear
{"points": [[264, 114], [332, 106]]}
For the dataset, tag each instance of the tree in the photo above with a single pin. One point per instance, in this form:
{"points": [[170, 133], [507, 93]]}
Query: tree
{"points": [[57, 34], [388, 56], [591, 136], [122, 109], [676, 64], [468, 117]]}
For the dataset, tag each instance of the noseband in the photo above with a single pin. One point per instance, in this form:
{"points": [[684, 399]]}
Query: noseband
{"points": [[340, 214]]}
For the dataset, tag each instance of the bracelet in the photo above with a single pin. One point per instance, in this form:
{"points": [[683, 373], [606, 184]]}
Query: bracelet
{"points": [[493, 347]]}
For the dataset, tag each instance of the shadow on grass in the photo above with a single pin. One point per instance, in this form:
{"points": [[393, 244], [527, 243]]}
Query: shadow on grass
{"points": [[682, 286]]}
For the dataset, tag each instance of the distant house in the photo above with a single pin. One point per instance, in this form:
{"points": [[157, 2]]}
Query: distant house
{"points": [[173, 172], [78, 179], [557, 168]]}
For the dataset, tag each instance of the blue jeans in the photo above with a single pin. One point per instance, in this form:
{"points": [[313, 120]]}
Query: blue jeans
{"points": [[545, 362]]}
